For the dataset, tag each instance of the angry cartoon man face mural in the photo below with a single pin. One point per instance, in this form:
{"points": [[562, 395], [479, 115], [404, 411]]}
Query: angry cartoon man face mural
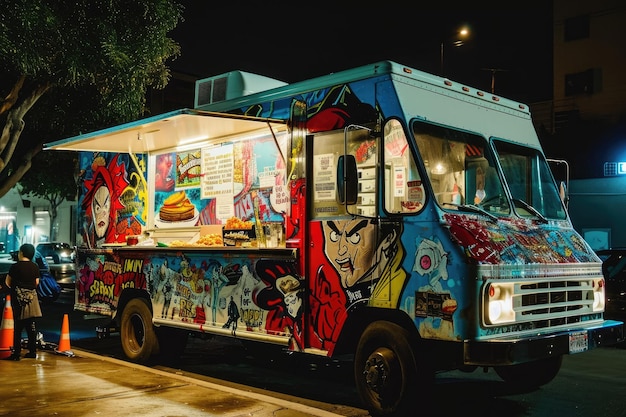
{"points": [[350, 246]]}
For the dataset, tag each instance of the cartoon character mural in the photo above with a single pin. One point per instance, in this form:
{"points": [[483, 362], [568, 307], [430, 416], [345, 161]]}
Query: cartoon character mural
{"points": [[112, 202], [434, 303], [281, 293], [233, 315], [164, 175], [363, 264], [202, 291]]}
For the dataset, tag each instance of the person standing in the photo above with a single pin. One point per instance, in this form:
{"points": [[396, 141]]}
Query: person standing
{"points": [[22, 280]]}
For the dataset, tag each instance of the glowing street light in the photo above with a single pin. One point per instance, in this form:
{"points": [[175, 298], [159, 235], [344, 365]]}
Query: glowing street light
{"points": [[456, 41]]}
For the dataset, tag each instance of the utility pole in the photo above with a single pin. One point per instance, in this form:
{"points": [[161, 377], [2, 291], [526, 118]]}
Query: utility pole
{"points": [[493, 77]]}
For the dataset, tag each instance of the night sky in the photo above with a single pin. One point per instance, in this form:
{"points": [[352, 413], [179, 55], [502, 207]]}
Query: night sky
{"points": [[297, 42]]}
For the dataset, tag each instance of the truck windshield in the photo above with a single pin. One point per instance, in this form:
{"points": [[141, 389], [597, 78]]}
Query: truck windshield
{"points": [[461, 170], [530, 180]]}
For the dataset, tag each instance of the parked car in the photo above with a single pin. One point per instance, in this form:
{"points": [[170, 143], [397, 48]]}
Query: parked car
{"points": [[614, 270], [48, 289], [60, 257]]}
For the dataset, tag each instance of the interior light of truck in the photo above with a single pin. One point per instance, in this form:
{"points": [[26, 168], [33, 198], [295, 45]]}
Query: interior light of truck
{"points": [[499, 303], [438, 169]]}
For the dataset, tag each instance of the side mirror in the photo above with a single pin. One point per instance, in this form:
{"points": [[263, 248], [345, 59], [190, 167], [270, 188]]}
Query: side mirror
{"points": [[347, 180]]}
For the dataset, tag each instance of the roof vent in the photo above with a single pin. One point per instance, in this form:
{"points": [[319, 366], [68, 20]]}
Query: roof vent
{"points": [[231, 85]]}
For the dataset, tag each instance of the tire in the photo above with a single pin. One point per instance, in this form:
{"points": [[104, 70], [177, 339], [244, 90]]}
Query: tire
{"points": [[137, 331], [531, 374], [385, 370]]}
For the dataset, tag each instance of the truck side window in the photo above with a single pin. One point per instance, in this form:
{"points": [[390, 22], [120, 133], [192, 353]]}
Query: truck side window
{"points": [[364, 147], [404, 190], [329, 195], [326, 149]]}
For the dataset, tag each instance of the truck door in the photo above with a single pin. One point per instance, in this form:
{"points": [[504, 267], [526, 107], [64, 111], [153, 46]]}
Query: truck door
{"points": [[344, 227]]}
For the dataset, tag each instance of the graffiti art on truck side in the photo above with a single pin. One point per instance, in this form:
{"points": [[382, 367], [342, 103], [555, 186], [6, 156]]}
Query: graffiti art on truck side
{"points": [[361, 265], [103, 278], [114, 195], [263, 296], [281, 294], [198, 291], [516, 241], [434, 303]]}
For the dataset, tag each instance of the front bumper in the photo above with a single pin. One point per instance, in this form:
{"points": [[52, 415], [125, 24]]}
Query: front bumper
{"points": [[514, 350]]}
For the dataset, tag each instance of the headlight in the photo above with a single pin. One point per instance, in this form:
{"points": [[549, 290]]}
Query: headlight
{"points": [[498, 299]]}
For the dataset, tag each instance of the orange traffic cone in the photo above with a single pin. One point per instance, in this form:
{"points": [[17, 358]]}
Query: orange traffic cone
{"points": [[6, 330], [64, 341]]}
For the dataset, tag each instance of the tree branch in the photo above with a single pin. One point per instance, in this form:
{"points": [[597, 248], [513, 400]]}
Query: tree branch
{"points": [[15, 124], [11, 98], [9, 182]]}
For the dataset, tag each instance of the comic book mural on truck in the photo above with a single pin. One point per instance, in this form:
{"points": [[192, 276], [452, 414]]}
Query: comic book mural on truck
{"points": [[113, 198], [383, 213]]}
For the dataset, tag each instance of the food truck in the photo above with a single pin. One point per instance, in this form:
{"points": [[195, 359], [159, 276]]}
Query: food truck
{"points": [[405, 220]]}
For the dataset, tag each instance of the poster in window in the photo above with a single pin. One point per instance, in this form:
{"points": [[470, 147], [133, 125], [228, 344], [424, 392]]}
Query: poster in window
{"points": [[324, 169], [188, 169]]}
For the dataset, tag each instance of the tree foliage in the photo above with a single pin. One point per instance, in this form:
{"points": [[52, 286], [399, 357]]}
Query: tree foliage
{"points": [[73, 66]]}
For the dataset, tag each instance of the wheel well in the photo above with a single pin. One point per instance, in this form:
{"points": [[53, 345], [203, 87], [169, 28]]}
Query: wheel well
{"points": [[127, 295], [358, 320]]}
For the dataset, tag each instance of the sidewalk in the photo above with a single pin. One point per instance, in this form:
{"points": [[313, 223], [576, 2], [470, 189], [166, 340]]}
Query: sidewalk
{"points": [[89, 385]]}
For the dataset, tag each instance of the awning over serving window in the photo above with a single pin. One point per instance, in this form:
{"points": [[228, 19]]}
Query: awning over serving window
{"points": [[171, 130]]}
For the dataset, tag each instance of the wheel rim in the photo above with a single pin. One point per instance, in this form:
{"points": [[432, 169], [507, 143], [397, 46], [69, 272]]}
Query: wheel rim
{"points": [[381, 371], [136, 333]]}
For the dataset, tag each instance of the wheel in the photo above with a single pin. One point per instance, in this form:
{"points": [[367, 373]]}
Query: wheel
{"points": [[137, 332], [531, 374], [171, 344], [385, 370]]}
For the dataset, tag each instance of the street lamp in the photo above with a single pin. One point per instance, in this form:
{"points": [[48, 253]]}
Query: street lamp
{"points": [[456, 40]]}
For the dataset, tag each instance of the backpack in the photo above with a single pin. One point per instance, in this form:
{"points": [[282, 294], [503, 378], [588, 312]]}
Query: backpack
{"points": [[48, 289]]}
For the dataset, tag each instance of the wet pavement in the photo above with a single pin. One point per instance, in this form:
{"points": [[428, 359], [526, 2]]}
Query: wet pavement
{"points": [[79, 382], [86, 384]]}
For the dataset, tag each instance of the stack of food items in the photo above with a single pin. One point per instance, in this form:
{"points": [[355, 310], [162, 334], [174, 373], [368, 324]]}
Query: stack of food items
{"points": [[239, 233], [210, 240], [235, 232]]}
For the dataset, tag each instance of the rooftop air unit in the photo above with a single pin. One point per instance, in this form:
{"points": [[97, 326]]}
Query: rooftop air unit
{"points": [[231, 85]]}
